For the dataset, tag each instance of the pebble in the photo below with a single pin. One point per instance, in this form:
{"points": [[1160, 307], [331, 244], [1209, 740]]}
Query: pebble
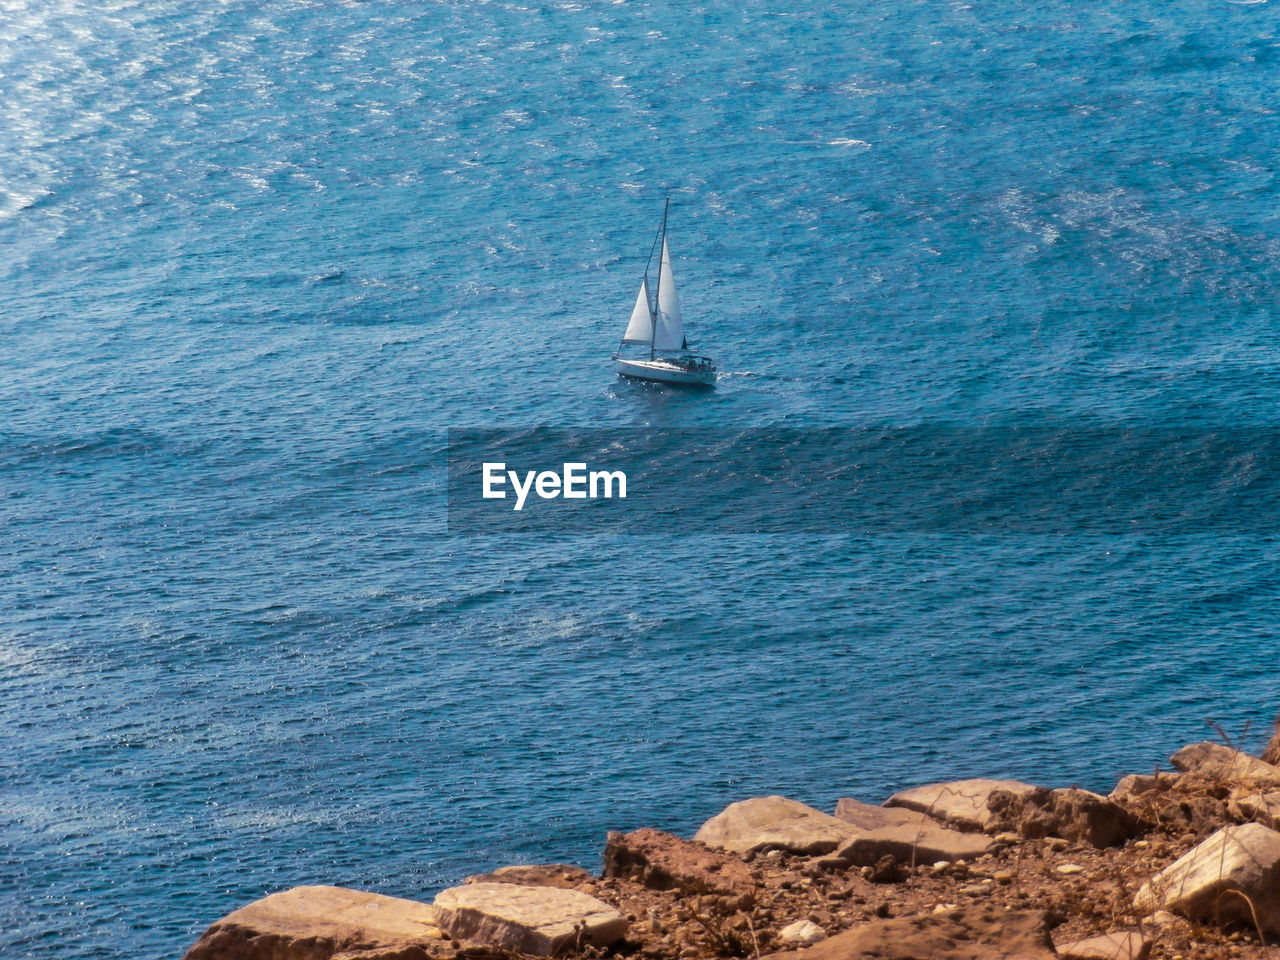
{"points": [[941, 865], [1163, 918], [1070, 869], [975, 890], [1056, 843], [1003, 876], [1142, 844], [802, 932]]}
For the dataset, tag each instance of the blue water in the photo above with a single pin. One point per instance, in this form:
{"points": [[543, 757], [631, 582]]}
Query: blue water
{"points": [[256, 259]]}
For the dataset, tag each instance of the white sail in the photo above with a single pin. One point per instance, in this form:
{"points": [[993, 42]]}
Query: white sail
{"points": [[640, 327], [670, 335]]}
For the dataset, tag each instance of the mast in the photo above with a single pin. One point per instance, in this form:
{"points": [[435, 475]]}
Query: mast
{"points": [[657, 287]]}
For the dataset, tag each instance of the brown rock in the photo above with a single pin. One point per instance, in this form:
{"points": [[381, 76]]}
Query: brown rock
{"points": [[773, 823], [886, 870], [1271, 752], [973, 933], [1234, 875], [1199, 814], [1125, 945], [908, 836], [315, 923], [563, 875], [1252, 805], [1077, 815], [963, 803], [536, 920], [661, 861], [1136, 784], [1217, 762]]}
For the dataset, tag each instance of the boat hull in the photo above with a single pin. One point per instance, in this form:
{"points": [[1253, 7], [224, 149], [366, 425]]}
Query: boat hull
{"points": [[665, 371]]}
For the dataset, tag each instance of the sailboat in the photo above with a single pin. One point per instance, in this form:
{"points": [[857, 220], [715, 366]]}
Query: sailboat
{"points": [[658, 324]]}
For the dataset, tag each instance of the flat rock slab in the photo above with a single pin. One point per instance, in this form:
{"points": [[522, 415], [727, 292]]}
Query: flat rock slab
{"points": [[536, 920], [908, 836], [774, 823], [1219, 762], [1220, 879], [661, 861], [962, 803], [959, 935], [563, 875], [1125, 945], [315, 923]]}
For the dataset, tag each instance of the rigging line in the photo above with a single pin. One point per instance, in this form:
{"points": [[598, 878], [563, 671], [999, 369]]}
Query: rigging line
{"points": [[652, 247]]}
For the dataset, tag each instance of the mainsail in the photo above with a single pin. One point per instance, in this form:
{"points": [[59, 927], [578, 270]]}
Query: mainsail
{"points": [[670, 332]]}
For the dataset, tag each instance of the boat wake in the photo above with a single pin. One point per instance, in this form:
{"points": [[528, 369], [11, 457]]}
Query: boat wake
{"points": [[756, 375]]}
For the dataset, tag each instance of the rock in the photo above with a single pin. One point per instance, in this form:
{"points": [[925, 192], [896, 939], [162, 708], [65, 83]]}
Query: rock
{"points": [[1077, 815], [962, 803], [972, 933], [1217, 762], [536, 920], [1136, 784], [315, 923], [1070, 869], [661, 861], [562, 875], [1199, 808], [886, 870], [1271, 752], [1251, 805], [1219, 880], [773, 823], [802, 933], [1086, 817], [909, 836], [829, 864], [1123, 945]]}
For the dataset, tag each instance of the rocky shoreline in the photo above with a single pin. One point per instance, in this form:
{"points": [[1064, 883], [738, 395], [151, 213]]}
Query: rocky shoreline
{"points": [[1177, 865]]}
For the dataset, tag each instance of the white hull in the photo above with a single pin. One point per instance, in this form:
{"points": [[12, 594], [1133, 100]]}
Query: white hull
{"points": [[666, 371]]}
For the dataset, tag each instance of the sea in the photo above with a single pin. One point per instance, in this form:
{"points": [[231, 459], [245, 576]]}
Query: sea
{"points": [[262, 263]]}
